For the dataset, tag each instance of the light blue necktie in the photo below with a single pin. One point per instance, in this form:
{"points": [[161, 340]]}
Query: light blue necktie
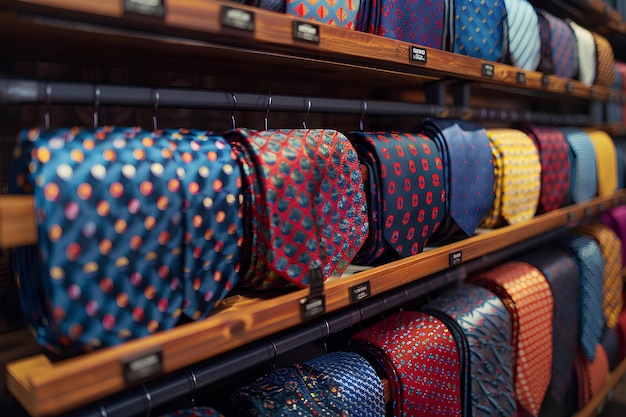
{"points": [[584, 172]]}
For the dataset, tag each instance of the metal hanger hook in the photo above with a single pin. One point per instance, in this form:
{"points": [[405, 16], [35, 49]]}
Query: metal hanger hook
{"points": [[363, 111], [149, 398], [275, 354], [232, 111], [269, 106], [46, 115], [103, 411], [156, 98], [194, 381], [96, 106], [326, 336], [308, 110]]}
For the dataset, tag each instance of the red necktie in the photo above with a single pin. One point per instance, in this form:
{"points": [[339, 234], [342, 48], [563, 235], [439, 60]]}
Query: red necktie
{"points": [[590, 376], [526, 292]]}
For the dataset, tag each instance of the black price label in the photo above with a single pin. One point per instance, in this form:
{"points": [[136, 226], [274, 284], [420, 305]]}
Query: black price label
{"points": [[360, 292], [311, 307], [569, 87], [308, 32], [455, 258], [142, 367], [488, 70], [521, 78], [147, 7], [238, 18], [419, 55], [571, 216], [545, 80]]}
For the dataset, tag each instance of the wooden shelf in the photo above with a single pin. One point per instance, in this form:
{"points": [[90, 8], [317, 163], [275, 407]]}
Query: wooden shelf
{"points": [[46, 388]]}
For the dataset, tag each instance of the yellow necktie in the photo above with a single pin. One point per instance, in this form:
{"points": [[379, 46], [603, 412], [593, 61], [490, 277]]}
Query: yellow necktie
{"points": [[517, 171], [606, 161], [611, 247]]}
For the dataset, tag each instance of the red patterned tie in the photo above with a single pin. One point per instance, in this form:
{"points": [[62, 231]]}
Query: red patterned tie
{"points": [[555, 165], [418, 355], [526, 292]]}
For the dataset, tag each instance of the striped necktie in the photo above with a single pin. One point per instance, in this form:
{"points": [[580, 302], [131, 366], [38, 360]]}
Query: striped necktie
{"points": [[586, 54], [584, 173], [306, 203], [563, 48], [605, 61], [406, 193], [517, 169], [555, 166], [526, 293], [417, 354], [561, 272], [485, 324], [606, 161], [523, 34], [588, 256], [479, 28], [611, 247], [467, 174], [341, 13]]}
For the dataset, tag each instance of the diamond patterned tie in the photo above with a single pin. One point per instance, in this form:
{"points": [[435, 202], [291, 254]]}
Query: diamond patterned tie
{"points": [[486, 325], [615, 218], [121, 254], [340, 13], [418, 355], [518, 171], [584, 172], [360, 386], [526, 293], [423, 23], [586, 54], [306, 201], [467, 174], [561, 272], [563, 48], [606, 161], [588, 256], [591, 374], [406, 193], [479, 28], [605, 61], [194, 412], [610, 247], [555, 166], [523, 33]]}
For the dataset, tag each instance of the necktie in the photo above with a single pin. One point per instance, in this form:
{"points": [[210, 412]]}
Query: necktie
{"points": [[610, 246], [545, 62], [561, 272], [586, 54], [610, 343], [590, 263], [523, 33], [486, 327], [360, 386], [606, 161], [517, 169], [419, 357], [555, 166], [298, 390], [605, 61], [194, 412], [336, 13], [306, 201], [479, 29], [591, 374], [529, 300], [406, 193], [615, 218], [423, 23], [467, 174], [584, 172], [274, 5], [563, 48]]}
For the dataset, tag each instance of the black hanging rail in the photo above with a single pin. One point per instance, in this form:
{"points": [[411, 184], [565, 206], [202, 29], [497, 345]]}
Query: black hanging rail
{"points": [[24, 91]]}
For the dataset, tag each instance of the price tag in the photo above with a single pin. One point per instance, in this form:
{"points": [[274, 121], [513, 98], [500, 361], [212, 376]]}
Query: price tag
{"points": [[488, 70], [455, 258], [142, 367], [545, 80], [305, 31], [360, 292], [419, 55], [314, 304], [569, 87], [238, 18], [521, 78], [154, 8]]}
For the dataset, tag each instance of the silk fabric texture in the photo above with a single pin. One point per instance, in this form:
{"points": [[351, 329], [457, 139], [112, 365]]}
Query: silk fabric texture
{"points": [[135, 229], [342, 13], [563, 50]]}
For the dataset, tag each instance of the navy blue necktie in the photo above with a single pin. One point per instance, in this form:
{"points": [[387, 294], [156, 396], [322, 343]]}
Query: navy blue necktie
{"points": [[479, 28]]}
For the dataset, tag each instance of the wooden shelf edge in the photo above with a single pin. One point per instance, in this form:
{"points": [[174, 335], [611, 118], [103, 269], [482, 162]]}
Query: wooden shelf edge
{"points": [[593, 407], [45, 388]]}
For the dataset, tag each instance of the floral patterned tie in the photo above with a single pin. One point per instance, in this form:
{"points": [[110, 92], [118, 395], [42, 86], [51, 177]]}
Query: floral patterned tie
{"points": [[406, 193], [305, 201]]}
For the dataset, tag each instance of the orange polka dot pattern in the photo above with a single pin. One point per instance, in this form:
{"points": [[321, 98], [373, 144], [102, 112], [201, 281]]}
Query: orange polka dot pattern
{"points": [[135, 229], [526, 293], [305, 202]]}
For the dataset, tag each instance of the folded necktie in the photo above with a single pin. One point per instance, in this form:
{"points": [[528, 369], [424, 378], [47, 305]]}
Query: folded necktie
{"points": [[586, 53], [615, 218], [590, 374], [479, 29], [305, 202], [340, 13], [406, 193], [584, 172], [523, 34], [606, 161], [605, 61], [610, 343], [563, 47], [467, 175]]}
